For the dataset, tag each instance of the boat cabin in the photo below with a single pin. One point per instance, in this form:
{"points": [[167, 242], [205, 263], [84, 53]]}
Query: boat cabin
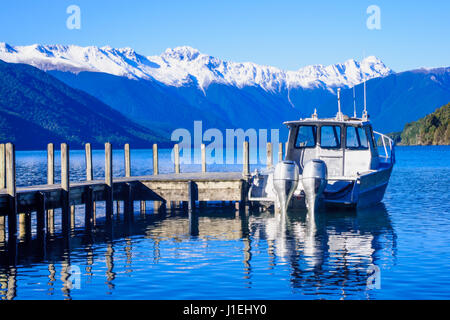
{"points": [[347, 146]]}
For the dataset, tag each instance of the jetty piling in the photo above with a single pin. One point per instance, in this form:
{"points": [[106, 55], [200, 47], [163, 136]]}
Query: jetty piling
{"points": [[192, 196], [89, 198], [2, 229], [127, 160], [72, 216], [155, 159], [88, 157], [176, 153], [65, 185], [280, 152], [203, 149], [108, 181], [50, 181], [246, 160], [40, 214], [11, 189], [269, 155], [202, 204], [2, 166]]}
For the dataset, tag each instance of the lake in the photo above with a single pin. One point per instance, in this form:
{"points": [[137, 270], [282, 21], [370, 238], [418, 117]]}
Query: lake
{"points": [[398, 249]]}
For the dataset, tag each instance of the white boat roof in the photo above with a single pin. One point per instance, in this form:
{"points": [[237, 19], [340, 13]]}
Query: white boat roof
{"points": [[346, 120]]}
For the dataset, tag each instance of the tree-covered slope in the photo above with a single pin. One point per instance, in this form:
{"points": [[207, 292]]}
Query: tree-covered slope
{"points": [[433, 129], [36, 108]]}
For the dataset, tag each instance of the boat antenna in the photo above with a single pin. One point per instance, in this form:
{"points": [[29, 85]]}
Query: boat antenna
{"points": [[354, 103], [365, 116], [339, 115]]}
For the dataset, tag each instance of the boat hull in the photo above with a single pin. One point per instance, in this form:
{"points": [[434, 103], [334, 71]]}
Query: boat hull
{"points": [[366, 190], [369, 189]]}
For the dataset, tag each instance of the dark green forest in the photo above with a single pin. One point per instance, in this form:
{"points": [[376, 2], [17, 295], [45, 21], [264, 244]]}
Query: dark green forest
{"points": [[432, 129]]}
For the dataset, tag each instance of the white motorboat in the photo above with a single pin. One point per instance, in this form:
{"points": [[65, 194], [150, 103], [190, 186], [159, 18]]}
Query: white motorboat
{"points": [[328, 162]]}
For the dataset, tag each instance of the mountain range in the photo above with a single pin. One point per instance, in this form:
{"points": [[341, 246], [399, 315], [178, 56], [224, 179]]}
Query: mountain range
{"points": [[182, 85], [183, 66]]}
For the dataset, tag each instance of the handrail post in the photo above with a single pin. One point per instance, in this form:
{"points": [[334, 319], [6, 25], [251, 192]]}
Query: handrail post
{"points": [[391, 145]]}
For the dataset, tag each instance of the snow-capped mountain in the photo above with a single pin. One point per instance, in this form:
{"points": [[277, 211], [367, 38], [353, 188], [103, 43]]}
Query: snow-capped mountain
{"points": [[185, 65], [182, 85]]}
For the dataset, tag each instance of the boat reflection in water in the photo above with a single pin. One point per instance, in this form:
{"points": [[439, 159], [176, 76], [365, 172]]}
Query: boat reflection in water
{"points": [[244, 254], [332, 248]]}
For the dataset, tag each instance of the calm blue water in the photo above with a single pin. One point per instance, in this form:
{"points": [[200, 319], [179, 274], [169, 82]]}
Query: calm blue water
{"points": [[254, 256]]}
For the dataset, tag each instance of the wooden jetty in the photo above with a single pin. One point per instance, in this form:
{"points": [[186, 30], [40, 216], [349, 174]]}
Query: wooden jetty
{"points": [[18, 203]]}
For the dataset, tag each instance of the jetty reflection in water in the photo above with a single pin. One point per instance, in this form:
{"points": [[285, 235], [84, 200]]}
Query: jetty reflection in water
{"points": [[216, 252]]}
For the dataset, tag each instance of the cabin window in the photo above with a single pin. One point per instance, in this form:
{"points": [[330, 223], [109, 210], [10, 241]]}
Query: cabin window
{"points": [[356, 138], [363, 138], [306, 137], [330, 136], [352, 138]]}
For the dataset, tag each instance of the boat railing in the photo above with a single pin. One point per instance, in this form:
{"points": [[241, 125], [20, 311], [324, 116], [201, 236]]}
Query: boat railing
{"points": [[388, 146]]}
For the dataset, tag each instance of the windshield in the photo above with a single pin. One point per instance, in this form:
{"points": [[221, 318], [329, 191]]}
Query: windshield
{"points": [[306, 137], [356, 138], [330, 136]]}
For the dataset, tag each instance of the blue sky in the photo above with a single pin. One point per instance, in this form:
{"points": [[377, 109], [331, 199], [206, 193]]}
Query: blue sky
{"points": [[285, 34]]}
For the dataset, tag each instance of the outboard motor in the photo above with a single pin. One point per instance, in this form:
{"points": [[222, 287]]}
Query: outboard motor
{"points": [[314, 180], [285, 181]]}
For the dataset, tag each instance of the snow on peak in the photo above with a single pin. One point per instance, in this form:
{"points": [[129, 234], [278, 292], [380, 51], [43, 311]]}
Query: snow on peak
{"points": [[185, 65], [181, 53], [6, 48], [371, 59]]}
